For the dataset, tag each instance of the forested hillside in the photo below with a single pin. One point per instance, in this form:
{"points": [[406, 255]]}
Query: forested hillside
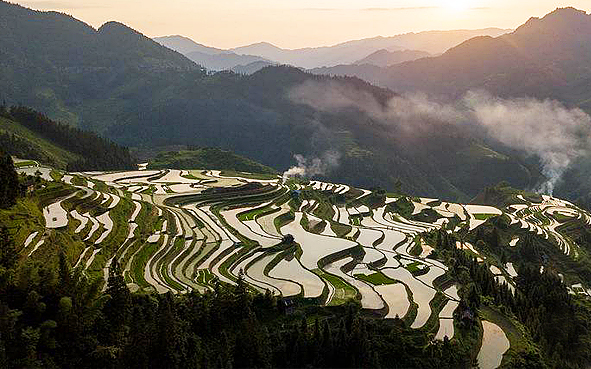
{"points": [[207, 158], [126, 87], [29, 134]]}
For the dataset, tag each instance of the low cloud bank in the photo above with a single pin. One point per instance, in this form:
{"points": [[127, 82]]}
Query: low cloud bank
{"points": [[547, 129]]}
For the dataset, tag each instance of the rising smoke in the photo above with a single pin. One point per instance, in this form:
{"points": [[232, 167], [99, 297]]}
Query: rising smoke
{"points": [[310, 167], [557, 135]]}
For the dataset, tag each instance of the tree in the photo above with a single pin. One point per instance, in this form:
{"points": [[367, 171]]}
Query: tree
{"points": [[8, 257], [9, 185], [117, 309]]}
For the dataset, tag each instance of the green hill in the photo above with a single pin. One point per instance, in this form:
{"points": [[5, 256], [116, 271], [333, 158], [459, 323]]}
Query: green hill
{"points": [[22, 142], [208, 158], [28, 134]]}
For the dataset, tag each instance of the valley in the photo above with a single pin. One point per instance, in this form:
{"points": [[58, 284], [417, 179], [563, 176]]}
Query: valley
{"points": [[410, 201]]}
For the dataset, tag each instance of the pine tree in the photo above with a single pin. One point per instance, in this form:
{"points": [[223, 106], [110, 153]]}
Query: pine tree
{"points": [[117, 310], [9, 184]]}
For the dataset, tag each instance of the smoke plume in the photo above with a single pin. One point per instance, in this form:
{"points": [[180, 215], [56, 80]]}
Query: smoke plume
{"points": [[547, 129], [309, 167]]}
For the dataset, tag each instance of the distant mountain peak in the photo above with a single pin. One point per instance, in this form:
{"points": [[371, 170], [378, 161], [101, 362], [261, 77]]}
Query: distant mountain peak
{"points": [[112, 25], [185, 45], [385, 58], [567, 11], [264, 43], [561, 20], [114, 28], [262, 46]]}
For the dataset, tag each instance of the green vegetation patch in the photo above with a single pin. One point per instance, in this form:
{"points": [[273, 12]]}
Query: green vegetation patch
{"points": [[484, 216], [377, 279], [415, 270], [26, 163], [210, 158], [343, 291]]}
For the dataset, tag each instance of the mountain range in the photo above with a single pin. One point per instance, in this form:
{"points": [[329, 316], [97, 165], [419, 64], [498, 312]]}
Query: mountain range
{"points": [[385, 58], [213, 58], [129, 88], [351, 52], [545, 58]]}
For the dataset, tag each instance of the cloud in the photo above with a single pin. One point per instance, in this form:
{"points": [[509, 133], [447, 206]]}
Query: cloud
{"points": [[60, 5], [547, 129], [544, 128], [399, 9]]}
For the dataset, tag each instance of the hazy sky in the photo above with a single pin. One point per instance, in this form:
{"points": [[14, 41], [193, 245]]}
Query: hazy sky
{"points": [[300, 23]]}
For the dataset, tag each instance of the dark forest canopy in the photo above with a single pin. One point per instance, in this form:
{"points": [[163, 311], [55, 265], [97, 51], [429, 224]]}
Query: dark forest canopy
{"points": [[96, 153], [9, 184], [207, 158]]}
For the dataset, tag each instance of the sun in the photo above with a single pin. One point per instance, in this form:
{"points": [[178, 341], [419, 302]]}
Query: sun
{"points": [[456, 5]]}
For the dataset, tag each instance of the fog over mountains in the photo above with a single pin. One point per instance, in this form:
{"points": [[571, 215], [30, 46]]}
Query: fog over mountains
{"points": [[436, 141]]}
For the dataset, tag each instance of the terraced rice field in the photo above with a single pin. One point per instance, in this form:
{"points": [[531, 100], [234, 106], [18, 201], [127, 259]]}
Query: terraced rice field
{"points": [[180, 231], [494, 345]]}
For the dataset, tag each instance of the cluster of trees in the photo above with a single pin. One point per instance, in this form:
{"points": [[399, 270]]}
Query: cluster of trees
{"points": [[98, 153], [207, 158], [57, 317], [23, 148], [9, 184], [557, 322]]}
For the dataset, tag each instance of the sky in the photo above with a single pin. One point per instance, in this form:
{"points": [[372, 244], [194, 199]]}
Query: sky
{"points": [[300, 23]]}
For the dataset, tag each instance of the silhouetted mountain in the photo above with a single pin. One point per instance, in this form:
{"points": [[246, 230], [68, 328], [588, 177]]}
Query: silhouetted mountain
{"points": [[259, 48], [385, 58], [433, 42], [223, 61], [56, 40], [185, 45], [209, 57], [251, 68], [350, 52], [546, 58], [50, 60]]}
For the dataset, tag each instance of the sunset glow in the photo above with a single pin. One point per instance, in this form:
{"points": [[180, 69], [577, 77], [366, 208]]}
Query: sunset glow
{"points": [[303, 23], [457, 5]]}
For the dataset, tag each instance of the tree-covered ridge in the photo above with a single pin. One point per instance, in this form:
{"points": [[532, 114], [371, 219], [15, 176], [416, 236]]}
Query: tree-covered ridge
{"points": [[120, 88], [91, 152], [61, 42], [207, 158]]}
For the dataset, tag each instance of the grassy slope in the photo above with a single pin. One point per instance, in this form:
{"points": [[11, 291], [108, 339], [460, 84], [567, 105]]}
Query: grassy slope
{"points": [[208, 158], [47, 152]]}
